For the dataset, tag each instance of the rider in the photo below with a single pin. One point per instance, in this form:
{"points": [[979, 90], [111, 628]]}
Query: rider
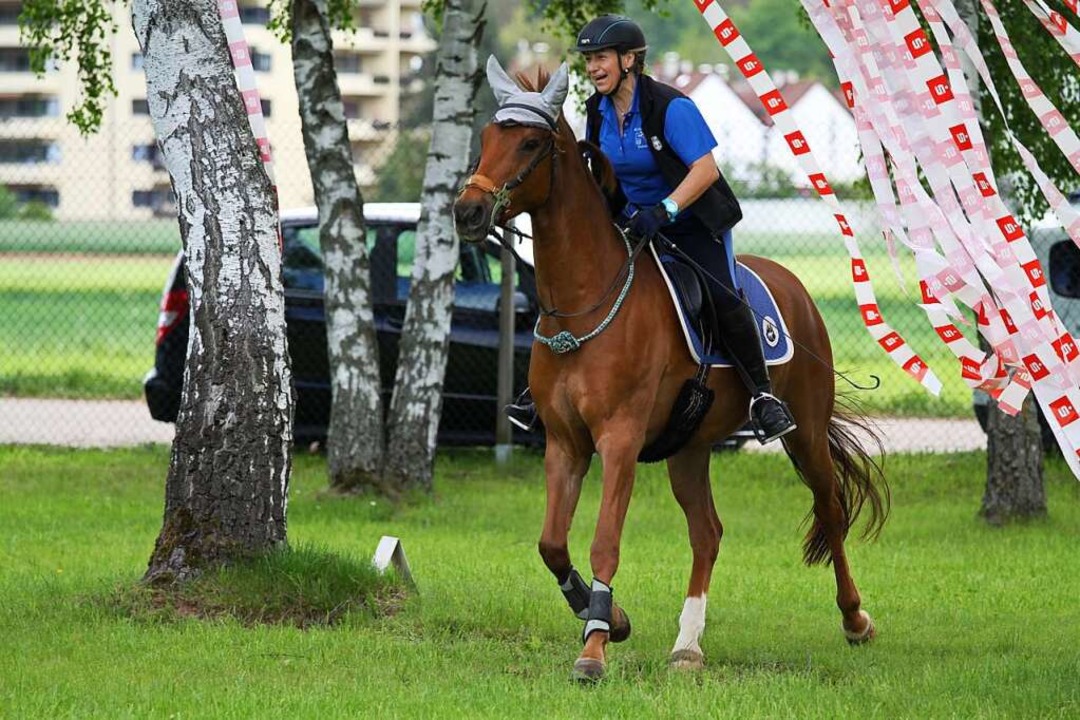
{"points": [[661, 151]]}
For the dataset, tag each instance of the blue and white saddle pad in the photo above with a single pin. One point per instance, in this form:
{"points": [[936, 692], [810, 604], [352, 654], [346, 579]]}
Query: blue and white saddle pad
{"points": [[775, 341]]}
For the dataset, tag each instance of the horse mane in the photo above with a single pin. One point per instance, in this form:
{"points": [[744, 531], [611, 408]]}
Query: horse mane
{"points": [[593, 160]]}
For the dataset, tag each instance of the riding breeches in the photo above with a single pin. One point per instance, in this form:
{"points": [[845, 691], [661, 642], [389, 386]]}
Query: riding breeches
{"points": [[715, 254]]}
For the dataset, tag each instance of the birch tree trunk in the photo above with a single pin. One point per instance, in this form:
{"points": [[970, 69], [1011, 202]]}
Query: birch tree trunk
{"points": [[1014, 454], [1014, 466], [417, 400], [356, 436], [227, 485]]}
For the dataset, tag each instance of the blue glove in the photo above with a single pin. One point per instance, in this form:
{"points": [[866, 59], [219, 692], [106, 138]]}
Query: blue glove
{"points": [[646, 222]]}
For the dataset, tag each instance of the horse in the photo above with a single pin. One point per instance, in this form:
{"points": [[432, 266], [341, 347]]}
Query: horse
{"points": [[614, 393]]}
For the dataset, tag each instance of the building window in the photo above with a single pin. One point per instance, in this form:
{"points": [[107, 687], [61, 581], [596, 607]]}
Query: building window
{"points": [[348, 63], [254, 15], [148, 153], [155, 199], [29, 106], [140, 107], [9, 13], [36, 193], [137, 61], [260, 61], [351, 107], [144, 153], [29, 152], [14, 60], [267, 106]]}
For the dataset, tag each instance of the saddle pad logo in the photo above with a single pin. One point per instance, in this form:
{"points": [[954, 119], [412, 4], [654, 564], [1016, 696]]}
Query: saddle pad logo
{"points": [[770, 333]]}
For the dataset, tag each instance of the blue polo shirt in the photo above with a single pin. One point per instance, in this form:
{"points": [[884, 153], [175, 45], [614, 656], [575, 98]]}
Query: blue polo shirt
{"points": [[685, 132]]}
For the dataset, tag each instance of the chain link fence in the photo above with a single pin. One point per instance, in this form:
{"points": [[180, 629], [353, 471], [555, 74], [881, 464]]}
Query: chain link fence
{"points": [[88, 240]]}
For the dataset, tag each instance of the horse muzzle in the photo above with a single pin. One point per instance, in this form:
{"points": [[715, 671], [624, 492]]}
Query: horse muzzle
{"points": [[472, 218]]}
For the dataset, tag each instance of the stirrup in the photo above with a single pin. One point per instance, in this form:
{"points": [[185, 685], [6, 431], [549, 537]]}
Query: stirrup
{"points": [[768, 429]]}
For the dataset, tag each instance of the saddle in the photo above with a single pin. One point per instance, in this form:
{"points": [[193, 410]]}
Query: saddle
{"points": [[690, 293]]}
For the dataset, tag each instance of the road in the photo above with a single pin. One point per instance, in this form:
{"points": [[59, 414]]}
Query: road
{"points": [[118, 423]]}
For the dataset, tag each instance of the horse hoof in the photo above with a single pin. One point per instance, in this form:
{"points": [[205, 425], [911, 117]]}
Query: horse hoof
{"points": [[620, 625], [588, 670], [687, 660], [867, 634]]}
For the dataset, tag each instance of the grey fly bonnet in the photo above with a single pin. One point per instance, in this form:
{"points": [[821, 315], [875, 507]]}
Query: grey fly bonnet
{"points": [[537, 109]]}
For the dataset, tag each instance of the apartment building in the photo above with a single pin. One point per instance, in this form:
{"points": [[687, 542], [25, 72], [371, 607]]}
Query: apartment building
{"points": [[117, 173]]}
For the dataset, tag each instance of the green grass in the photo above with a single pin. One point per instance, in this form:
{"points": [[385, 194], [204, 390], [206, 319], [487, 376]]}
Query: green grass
{"points": [[149, 237], [78, 327], [83, 327], [973, 622]]}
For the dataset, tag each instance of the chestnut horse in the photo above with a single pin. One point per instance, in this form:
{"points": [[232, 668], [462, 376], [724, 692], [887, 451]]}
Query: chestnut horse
{"points": [[614, 394]]}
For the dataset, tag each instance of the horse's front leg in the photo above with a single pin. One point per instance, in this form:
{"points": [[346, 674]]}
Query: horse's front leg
{"points": [[564, 470], [618, 452]]}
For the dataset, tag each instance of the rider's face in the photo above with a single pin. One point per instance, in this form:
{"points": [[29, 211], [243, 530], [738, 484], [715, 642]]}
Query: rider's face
{"points": [[604, 68]]}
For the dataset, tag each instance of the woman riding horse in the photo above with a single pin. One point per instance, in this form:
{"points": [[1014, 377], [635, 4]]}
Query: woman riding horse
{"points": [[607, 368], [671, 184]]}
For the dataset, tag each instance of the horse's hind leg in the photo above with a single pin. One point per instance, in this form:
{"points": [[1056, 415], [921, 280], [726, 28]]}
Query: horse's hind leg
{"points": [[809, 449], [689, 473]]}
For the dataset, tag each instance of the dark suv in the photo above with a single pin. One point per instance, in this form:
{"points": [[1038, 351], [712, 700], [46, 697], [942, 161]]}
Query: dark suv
{"points": [[469, 393]]}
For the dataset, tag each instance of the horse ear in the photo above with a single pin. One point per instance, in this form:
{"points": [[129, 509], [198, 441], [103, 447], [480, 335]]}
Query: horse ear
{"points": [[501, 83], [555, 91]]}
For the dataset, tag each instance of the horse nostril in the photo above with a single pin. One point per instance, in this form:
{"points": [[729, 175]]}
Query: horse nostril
{"points": [[469, 215]]}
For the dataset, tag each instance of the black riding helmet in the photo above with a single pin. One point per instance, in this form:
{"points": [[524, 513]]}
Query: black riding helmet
{"points": [[617, 32], [611, 31]]}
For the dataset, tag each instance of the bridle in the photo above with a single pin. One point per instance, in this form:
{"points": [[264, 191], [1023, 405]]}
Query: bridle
{"points": [[563, 341], [501, 195]]}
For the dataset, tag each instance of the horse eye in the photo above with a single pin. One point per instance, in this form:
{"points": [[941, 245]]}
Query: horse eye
{"points": [[530, 145]]}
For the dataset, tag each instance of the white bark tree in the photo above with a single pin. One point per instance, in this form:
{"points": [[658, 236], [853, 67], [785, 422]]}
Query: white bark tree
{"points": [[227, 485], [364, 453], [355, 446], [416, 405]]}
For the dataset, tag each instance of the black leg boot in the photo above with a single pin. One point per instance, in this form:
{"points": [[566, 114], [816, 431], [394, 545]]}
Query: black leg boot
{"points": [[522, 412], [739, 334]]}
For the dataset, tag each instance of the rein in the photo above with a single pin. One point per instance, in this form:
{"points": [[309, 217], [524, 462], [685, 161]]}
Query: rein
{"points": [[563, 341]]}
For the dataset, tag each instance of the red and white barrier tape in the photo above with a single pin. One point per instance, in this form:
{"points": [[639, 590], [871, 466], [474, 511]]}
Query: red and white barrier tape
{"points": [[245, 81], [752, 69], [907, 104], [1058, 26]]}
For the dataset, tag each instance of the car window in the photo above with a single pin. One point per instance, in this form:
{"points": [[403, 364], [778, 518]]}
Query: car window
{"points": [[1065, 269], [392, 252]]}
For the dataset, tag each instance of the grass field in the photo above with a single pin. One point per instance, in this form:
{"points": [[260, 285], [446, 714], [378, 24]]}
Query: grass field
{"points": [[78, 326], [83, 326], [973, 622], [151, 237]]}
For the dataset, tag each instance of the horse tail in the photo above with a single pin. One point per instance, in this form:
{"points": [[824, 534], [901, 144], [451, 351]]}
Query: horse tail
{"points": [[860, 480]]}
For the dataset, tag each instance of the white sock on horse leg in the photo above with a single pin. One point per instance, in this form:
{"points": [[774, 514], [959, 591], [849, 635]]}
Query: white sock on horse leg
{"points": [[691, 625]]}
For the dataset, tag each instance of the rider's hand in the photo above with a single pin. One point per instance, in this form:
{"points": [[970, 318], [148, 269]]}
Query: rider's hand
{"points": [[646, 222]]}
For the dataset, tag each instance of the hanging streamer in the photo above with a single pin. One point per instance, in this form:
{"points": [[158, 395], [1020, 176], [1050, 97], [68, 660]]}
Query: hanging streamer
{"points": [[752, 69], [916, 120], [229, 11], [911, 110], [1058, 27]]}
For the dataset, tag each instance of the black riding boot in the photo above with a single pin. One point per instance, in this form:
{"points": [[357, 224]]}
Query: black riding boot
{"points": [[769, 416], [522, 412]]}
